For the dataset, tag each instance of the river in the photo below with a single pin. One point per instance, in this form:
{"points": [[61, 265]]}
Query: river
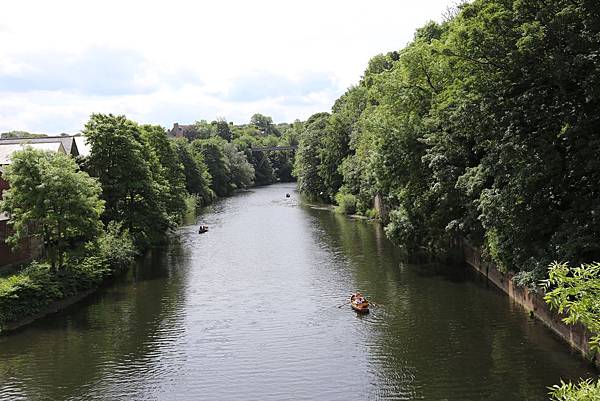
{"points": [[250, 311]]}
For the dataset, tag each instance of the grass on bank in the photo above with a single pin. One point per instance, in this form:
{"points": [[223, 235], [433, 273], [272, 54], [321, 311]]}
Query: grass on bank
{"points": [[37, 285]]}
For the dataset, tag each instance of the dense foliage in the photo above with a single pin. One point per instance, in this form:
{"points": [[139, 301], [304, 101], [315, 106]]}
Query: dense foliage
{"points": [[51, 199], [484, 126], [575, 292], [142, 183], [19, 134], [586, 390], [36, 286]]}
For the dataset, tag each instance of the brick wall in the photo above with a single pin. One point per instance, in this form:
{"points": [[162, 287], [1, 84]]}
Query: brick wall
{"points": [[7, 256]]}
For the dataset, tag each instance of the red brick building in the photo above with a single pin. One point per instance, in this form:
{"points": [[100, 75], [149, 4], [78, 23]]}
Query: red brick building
{"points": [[28, 248], [7, 255]]}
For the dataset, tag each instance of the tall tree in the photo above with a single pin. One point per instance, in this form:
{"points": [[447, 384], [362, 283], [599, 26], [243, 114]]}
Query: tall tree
{"points": [[307, 164], [197, 178], [49, 197], [120, 158], [223, 130], [242, 172], [264, 124], [168, 171], [213, 153]]}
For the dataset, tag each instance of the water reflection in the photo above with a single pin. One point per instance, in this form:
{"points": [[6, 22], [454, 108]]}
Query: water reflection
{"points": [[443, 333], [98, 342], [254, 310]]}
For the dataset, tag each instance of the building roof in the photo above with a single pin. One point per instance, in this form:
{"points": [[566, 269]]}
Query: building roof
{"points": [[82, 146], [69, 143], [7, 149], [180, 131]]}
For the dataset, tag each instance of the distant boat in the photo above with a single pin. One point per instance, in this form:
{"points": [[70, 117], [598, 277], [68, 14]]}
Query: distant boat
{"points": [[287, 195], [359, 303], [202, 229]]}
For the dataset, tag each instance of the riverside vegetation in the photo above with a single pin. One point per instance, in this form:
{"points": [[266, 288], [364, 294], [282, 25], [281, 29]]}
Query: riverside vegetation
{"points": [[93, 215], [485, 126]]}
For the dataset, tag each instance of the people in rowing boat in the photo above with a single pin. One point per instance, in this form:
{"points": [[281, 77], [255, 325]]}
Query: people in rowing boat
{"points": [[358, 298]]}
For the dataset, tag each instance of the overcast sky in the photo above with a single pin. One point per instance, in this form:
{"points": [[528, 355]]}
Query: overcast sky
{"points": [[181, 61]]}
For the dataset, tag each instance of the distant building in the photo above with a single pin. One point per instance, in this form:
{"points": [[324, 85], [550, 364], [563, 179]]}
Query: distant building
{"points": [[183, 131], [68, 142]]}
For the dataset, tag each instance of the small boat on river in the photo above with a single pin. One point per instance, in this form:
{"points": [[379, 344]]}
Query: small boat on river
{"points": [[359, 303], [202, 229]]}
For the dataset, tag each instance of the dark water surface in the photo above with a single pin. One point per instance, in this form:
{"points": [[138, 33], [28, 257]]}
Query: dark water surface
{"points": [[249, 311]]}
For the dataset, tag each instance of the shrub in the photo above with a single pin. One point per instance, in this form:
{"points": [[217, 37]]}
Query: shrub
{"points": [[38, 285], [346, 202], [585, 390], [116, 247]]}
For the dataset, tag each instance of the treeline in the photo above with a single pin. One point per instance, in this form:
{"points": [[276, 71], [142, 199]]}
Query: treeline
{"points": [[226, 151], [92, 215], [486, 126]]}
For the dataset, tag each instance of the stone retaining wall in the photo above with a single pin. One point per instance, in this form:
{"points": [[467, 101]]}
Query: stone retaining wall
{"points": [[575, 335]]}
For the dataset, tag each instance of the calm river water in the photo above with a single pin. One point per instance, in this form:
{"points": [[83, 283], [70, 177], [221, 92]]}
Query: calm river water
{"points": [[249, 311]]}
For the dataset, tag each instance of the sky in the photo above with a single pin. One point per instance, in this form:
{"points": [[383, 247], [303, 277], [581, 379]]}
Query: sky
{"points": [[162, 62]]}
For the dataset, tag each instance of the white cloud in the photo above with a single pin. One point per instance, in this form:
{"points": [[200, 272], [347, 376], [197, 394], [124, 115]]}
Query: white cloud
{"points": [[177, 60]]}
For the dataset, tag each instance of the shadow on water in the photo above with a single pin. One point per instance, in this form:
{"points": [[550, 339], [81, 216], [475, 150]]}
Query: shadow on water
{"points": [[443, 332], [123, 324], [250, 311]]}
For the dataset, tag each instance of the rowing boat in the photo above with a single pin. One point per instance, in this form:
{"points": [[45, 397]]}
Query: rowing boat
{"points": [[359, 303]]}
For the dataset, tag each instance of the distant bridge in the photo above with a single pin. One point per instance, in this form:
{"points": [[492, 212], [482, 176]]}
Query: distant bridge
{"points": [[273, 148]]}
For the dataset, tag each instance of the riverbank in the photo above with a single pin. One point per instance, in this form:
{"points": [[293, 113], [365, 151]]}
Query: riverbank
{"points": [[47, 310], [576, 336], [39, 290], [31, 291], [185, 308]]}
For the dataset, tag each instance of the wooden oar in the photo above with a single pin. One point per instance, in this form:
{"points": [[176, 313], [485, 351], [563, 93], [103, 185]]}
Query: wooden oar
{"points": [[345, 303]]}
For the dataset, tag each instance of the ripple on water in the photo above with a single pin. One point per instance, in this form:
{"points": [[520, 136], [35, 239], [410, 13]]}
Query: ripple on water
{"points": [[251, 311]]}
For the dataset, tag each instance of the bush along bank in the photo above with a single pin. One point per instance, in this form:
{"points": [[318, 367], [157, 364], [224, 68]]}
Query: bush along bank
{"points": [[38, 286], [485, 126], [93, 214]]}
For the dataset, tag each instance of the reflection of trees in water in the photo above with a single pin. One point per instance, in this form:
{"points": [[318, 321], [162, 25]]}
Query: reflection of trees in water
{"points": [[441, 335], [125, 323]]}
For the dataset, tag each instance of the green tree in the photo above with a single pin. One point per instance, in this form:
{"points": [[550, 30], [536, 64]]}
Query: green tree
{"points": [[204, 130], [242, 172], [169, 171], [197, 177], [49, 197], [306, 167], [264, 125], [20, 134], [120, 159], [213, 153], [336, 143], [223, 129]]}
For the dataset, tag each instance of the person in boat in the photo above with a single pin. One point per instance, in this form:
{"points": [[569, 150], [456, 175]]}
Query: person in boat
{"points": [[358, 298]]}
